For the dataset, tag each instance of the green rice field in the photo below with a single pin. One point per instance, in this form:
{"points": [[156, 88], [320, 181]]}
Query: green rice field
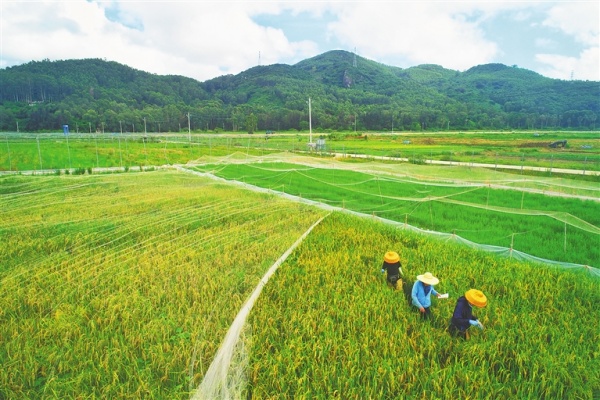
{"points": [[124, 285]]}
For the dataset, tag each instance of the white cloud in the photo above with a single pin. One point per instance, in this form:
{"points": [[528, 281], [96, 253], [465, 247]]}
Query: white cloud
{"points": [[47, 30], [205, 39], [421, 33], [584, 67], [522, 16], [577, 19], [545, 43], [198, 40]]}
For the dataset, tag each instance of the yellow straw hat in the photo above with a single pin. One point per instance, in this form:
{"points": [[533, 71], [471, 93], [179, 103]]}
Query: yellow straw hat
{"points": [[428, 278], [391, 257], [476, 298]]}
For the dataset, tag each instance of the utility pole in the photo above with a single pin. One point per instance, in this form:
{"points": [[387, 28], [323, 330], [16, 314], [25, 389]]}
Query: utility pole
{"points": [[189, 128], [37, 138], [309, 120], [10, 163], [97, 159], [120, 153]]}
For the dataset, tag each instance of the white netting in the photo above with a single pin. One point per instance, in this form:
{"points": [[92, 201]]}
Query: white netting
{"points": [[225, 378], [501, 251], [221, 381]]}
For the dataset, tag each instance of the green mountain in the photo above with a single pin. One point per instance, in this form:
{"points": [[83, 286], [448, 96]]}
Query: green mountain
{"points": [[348, 92]]}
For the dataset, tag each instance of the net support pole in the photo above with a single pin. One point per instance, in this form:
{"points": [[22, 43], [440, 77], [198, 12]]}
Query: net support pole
{"points": [[565, 246]]}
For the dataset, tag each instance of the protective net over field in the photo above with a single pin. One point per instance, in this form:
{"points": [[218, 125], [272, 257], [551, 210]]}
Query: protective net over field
{"points": [[221, 381], [225, 376], [565, 218], [462, 176]]}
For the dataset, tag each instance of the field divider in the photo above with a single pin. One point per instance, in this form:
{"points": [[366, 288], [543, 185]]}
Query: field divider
{"points": [[214, 385]]}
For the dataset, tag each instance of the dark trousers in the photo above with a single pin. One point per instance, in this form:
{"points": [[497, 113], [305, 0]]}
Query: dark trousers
{"points": [[457, 332], [392, 279], [427, 314]]}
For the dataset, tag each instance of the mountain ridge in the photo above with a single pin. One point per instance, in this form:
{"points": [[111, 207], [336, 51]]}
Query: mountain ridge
{"points": [[341, 84]]}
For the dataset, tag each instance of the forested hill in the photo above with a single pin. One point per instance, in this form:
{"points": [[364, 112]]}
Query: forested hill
{"points": [[347, 92]]}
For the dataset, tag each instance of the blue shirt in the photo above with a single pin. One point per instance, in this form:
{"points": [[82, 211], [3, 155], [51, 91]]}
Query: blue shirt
{"points": [[421, 296]]}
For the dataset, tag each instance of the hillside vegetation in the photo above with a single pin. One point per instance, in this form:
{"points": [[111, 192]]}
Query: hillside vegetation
{"points": [[348, 92]]}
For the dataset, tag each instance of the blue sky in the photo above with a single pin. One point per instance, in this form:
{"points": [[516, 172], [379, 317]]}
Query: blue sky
{"points": [[206, 39]]}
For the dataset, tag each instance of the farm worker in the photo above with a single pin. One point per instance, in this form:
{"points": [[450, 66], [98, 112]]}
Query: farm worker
{"points": [[391, 264], [422, 291], [463, 317]]}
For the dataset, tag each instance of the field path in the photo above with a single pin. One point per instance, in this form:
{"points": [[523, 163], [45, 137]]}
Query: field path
{"points": [[480, 165]]}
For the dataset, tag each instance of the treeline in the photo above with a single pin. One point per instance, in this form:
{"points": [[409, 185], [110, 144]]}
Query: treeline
{"points": [[347, 93]]}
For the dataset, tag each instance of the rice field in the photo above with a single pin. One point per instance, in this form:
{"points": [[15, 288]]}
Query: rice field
{"points": [[523, 215], [123, 286], [329, 327]]}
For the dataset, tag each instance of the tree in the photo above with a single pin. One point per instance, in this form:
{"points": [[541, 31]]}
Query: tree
{"points": [[92, 118], [251, 123]]}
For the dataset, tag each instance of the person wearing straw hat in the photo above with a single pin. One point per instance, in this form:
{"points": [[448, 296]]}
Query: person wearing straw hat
{"points": [[422, 291], [463, 317], [391, 264]]}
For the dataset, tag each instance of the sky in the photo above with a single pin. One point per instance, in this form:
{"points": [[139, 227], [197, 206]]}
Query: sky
{"points": [[206, 39]]}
